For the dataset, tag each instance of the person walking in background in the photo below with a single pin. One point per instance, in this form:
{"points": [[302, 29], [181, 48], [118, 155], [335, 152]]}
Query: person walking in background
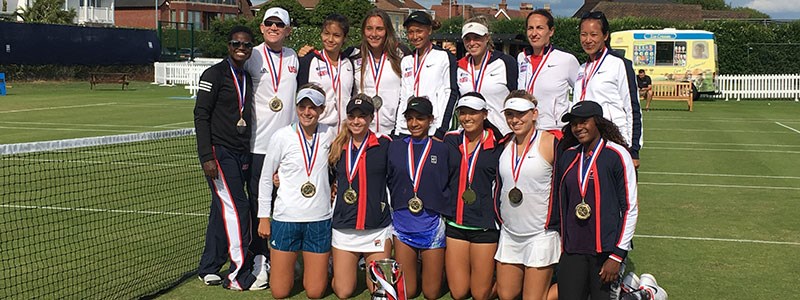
{"points": [[330, 69], [301, 221], [361, 214], [595, 186], [274, 71], [472, 232], [608, 79], [529, 241], [546, 72], [487, 71], [418, 177], [222, 116], [429, 72]]}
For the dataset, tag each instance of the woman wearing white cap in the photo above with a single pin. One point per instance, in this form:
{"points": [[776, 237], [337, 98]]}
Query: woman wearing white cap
{"points": [[528, 247], [472, 231], [301, 221], [429, 72], [489, 72]]}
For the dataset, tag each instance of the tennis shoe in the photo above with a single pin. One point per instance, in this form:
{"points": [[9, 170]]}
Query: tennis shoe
{"points": [[648, 282], [210, 279], [630, 283]]}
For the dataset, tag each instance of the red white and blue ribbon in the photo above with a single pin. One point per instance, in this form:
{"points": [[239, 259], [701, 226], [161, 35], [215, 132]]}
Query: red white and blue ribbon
{"points": [[377, 69], [350, 162], [335, 79], [477, 81], [585, 170], [240, 89], [473, 159], [538, 69], [416, 173], [275, 75], [418, 63], [516, 161], [589, 75], [392, 293], [309, 150]]}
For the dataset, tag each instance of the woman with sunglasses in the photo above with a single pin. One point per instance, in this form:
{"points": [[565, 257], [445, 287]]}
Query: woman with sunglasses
{"points": [[472, 232], [361, 219], [529, 241], [546, 72], [330, 69], [595, 186], [484, 70], [429, 72], [418, 176], [301, 220], [608, 79]]}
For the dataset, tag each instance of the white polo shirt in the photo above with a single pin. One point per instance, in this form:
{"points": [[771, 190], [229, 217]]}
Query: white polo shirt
{"points": [[286, 156], [437, 81], [265, 74], [314, 68], [494, 83], [551, 87], [389, 89]]}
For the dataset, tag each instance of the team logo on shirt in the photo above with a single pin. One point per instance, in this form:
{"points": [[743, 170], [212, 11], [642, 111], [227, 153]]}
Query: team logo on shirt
{"points": [[463, 77], [434, 159], [523, 67], [407, 74], [580, 75], [264, 71], [292, 69], [377, 243]]}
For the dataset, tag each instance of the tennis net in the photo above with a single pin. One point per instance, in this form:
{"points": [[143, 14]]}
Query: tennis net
{"points": [[105, 217]]}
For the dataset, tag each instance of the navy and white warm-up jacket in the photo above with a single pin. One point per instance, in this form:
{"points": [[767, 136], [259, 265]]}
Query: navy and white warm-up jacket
{"points": [[495, 82], [551, 85]]}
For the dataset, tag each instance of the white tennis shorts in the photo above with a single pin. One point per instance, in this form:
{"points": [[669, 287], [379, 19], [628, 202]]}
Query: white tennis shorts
{"points": [[536, 251]]}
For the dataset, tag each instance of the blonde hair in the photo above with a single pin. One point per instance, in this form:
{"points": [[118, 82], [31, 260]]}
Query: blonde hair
{"points": [[344, 135], [522, 94]]}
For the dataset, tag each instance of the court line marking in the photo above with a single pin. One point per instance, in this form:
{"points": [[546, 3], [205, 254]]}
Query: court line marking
{"points": [[145, 212], [723, 186], [719, 175], [76, 124], [787, 127], [56, 107], [724, 150], [71, 129], [172, 124], [721, 119], [691, 238], [150, 212], [712, 130], [722, 144]]}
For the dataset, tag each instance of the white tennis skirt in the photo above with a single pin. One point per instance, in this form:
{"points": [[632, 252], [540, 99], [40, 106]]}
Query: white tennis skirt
{"points": [[536, 251], [361, 241]]}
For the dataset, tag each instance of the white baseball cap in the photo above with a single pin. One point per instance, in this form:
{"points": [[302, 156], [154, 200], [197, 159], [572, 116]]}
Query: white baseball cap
{"points": [[311, 94], [278, 12], [474, 27], [471, 102], [518, 104]]}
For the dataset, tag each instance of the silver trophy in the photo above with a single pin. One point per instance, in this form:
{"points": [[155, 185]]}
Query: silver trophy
{"points": [[382, 273]]}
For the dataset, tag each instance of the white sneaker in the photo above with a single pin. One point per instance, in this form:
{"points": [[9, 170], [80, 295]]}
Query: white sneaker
{"points": [[630, 283], [261, 272], [648, 282], [211, 279]]}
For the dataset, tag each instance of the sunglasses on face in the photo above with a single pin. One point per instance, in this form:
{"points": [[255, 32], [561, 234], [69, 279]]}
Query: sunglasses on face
{"points": [[237, 44], [593, 15], [269, 23]]}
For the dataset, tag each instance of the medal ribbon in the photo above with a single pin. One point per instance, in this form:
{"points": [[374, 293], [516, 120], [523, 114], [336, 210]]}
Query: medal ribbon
{"points": [[538, 70], [418, 68], [472, 161], [350, 163], [477, 81], [588, 76], [309, 151], [381, 278], [275, 75], [516, 161], [377, 71], [335, 79], [584, 171], [240, 90], [417, 173]]}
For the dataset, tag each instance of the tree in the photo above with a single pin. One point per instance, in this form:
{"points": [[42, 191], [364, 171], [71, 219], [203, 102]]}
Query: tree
{"points": [[354, 10], [708, 4], [48, 11], [754, 14], [452, 25], [298, 13]]}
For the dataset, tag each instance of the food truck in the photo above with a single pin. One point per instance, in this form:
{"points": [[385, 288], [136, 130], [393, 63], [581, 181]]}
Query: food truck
{"points": [[672, 55]]}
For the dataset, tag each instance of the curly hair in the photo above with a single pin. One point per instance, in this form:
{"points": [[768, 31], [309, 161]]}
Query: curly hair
{"points": [[608, 131]]}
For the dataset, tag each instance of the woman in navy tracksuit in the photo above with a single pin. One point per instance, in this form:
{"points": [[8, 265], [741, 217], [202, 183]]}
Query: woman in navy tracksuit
{"points": [[361, 216], [595, 184]]}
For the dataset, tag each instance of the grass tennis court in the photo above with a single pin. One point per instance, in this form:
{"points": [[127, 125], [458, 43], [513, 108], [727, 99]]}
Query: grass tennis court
{"points": [[719, 197]]}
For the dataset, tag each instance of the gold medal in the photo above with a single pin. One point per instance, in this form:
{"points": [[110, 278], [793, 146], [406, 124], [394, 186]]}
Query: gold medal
{"points": [[377, 101], [241, 123], [350, 196], [308, 189], [583, 211], [515, 195], [468, 196], [275, 104], [415, 204]]}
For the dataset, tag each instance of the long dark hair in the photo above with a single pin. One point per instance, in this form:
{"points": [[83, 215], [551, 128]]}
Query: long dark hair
{"points": [[390, 42], [604, 26], [608, 131]]}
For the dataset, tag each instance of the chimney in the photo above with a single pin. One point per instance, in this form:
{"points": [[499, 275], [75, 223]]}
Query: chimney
{"points": [[503, 5], [523, 6], [547, 7]]}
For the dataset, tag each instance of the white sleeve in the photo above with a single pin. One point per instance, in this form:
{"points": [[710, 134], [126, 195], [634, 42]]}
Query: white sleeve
{"points": [[630, 203], [573, 66], [625, 96], [406, 90], [271, 162], [522, 83]]}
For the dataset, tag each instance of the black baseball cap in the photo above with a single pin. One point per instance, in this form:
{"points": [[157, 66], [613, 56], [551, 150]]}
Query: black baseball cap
{"points": [[365, 106], [583, 109], [421, 105], [420, 17]]}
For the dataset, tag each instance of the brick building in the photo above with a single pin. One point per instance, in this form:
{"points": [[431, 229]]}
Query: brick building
{"points": [[451, 8], [657, 9], [142, 13]]}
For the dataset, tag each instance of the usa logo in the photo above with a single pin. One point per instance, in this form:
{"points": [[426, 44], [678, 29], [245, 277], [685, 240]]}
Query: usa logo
{"points": [[523, 67], [292, 69], [463, 79], [407, 74]]}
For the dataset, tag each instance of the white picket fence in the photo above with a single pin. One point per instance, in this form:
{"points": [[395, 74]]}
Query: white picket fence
{"points": [[758, 86], [183, 73]]}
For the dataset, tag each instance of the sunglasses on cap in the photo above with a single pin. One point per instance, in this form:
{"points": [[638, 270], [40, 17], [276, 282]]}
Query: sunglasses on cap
{"points": [[237, 44], [593, 15], [269, 23]]}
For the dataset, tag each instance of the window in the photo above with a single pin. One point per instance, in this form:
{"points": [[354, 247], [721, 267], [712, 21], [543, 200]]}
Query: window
{"points": [[670, 53]]}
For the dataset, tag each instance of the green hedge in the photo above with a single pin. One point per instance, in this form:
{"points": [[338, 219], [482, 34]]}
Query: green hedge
{"points": [[77, 72]]}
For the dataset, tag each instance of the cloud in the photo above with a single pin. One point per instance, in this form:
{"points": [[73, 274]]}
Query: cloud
{"points": [[774, 6]]}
